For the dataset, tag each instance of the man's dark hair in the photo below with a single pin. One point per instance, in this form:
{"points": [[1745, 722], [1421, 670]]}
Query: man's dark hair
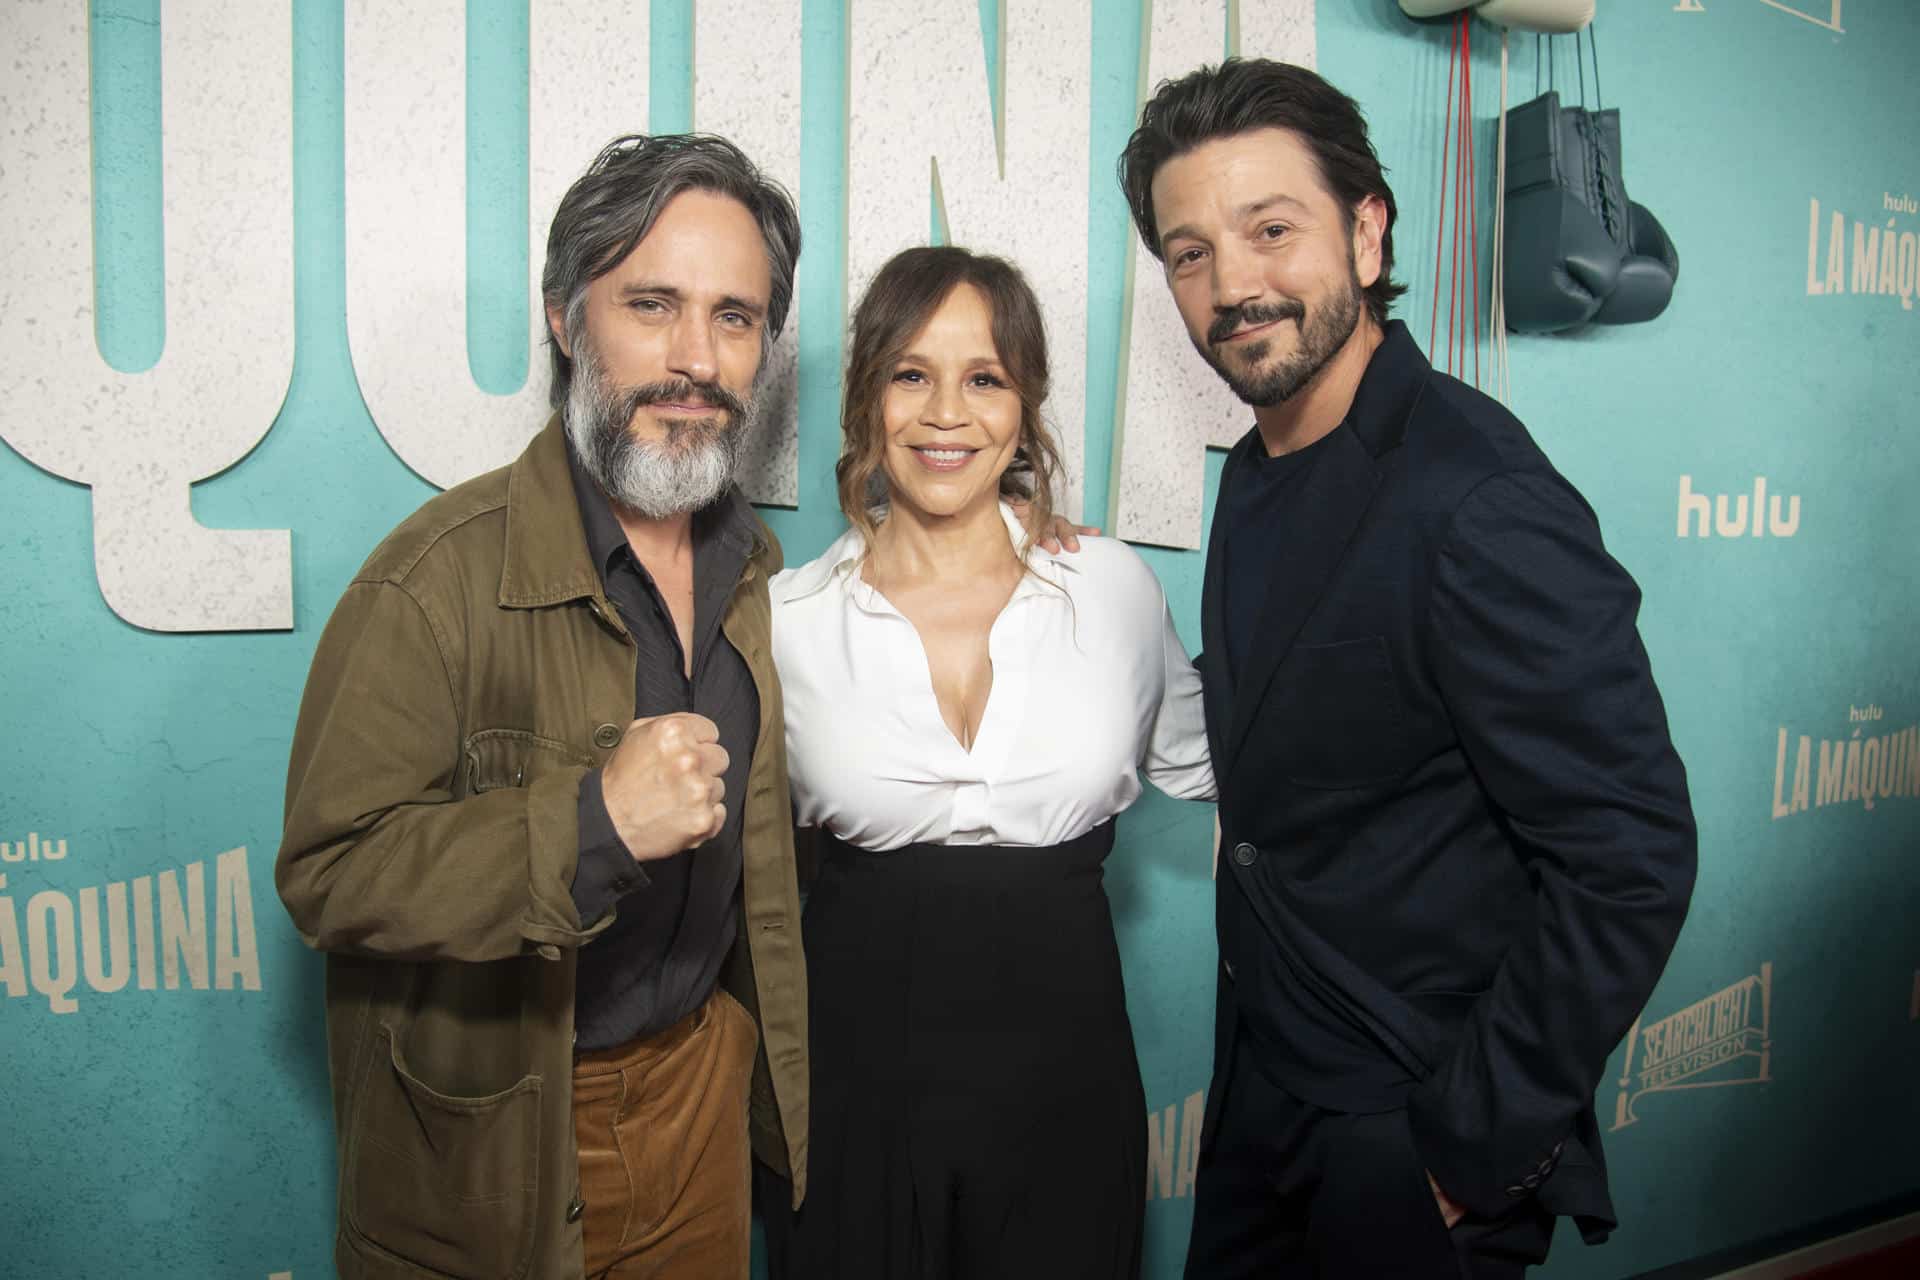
{"points": [[614, 204], [1242, 94]]}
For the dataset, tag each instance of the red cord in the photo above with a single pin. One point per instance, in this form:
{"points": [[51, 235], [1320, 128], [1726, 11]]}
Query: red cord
{"points": [[1473, 212], [1453, 283]]}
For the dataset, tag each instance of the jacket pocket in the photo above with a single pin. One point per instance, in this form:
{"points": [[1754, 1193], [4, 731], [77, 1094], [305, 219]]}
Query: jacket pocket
{"points": [[448, 1184], [1342, 715], [497, 758]]}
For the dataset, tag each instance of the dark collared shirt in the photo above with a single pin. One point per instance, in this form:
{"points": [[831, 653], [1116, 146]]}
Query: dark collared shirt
{"points": [[676, 918]]}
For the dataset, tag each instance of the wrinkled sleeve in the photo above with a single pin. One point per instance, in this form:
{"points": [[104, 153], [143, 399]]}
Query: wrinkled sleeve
{"points": [[606, 871], [1176, 759], [378, 857], [1536, 651]]}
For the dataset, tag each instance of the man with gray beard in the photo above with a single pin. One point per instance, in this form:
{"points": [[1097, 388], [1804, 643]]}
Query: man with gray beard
{"points": [[537, 810], [656, 480]]}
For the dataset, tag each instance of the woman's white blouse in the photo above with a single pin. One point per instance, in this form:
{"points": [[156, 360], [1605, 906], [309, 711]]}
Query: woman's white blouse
{"points": [[1090, 685]]}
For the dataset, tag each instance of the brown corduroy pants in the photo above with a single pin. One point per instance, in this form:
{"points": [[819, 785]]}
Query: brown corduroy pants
{"points": [[664, 1164]]}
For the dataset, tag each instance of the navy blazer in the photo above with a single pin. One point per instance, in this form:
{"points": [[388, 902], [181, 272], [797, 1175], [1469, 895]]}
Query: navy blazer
{"points": [[1447, 788]]}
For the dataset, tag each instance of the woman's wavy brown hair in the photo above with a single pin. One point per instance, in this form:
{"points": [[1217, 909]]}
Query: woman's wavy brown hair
{"points": [[897, 306]]}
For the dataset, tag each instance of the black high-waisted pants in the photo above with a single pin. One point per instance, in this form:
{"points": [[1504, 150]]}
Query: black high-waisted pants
{"points": [[976, 1104]]}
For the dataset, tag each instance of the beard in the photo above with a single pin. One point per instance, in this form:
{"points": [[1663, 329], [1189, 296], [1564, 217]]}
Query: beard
{"points": [[655, 478], [1323, 331]]}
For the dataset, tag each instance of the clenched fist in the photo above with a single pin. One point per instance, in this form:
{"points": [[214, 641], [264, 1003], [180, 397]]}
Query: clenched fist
{"points": [[663, 785]]}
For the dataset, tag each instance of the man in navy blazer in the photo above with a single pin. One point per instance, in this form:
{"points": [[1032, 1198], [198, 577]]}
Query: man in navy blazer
{"points": [[1457, 845]]}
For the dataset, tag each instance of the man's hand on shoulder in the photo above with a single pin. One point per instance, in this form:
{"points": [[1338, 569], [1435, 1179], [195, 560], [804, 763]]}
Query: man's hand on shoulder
{"points": [[1060, 531], [663, 785]]}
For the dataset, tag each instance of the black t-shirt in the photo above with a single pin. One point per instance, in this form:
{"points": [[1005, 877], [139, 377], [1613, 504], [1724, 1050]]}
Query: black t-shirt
{"points": [[1260, 510], [1258, 517]]}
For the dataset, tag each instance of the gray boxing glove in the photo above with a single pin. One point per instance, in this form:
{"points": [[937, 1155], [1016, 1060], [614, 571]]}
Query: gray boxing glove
{"points": [[1562, 262], [1650, 264]]}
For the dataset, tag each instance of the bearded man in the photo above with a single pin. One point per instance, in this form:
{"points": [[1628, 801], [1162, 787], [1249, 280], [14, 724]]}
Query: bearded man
{"points": [[1457, 845], [537, 811]]}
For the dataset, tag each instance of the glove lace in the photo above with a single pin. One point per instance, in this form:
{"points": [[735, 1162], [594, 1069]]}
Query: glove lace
{"points": [[1605, 181]]}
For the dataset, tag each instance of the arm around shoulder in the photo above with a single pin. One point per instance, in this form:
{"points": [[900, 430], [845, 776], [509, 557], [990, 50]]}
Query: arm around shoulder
{"points": [[1177, 759]]}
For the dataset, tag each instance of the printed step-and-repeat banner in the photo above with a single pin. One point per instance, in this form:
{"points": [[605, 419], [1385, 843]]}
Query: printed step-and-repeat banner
{"points": [[269, 281]]}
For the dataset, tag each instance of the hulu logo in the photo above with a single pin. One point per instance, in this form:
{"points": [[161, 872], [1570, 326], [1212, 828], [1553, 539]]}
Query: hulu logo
{"points": [[1736, 515]]}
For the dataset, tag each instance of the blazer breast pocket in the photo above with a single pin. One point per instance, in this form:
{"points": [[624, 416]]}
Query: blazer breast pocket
{"points": [[1340, 716]]}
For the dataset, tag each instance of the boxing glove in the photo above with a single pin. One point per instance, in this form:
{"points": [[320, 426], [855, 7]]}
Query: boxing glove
{"points": [[1650, 264], [1562, 261]]}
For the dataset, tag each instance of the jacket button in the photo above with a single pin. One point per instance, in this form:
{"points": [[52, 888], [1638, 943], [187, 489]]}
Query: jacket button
{"points": [[1516, 1191], [607, 736], [1229, 968], [575, 1207], [1244, 854]]}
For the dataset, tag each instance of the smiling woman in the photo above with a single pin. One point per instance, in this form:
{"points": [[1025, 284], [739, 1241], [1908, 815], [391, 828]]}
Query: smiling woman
{"points": [[952, 417], [966, 713], [941, 313]]}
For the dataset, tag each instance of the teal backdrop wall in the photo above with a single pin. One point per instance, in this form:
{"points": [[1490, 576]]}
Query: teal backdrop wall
{"points": [[165, 1097]]}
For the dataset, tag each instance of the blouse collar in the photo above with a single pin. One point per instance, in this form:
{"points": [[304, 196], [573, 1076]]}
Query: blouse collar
{"points": [[842, 559]]}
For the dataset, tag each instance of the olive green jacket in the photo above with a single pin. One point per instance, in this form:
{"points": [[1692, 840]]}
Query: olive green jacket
{"points": [[473, 672]]}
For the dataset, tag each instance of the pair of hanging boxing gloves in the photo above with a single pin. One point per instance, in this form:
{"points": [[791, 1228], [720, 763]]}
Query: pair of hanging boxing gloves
{"points": [[1578, 251]]}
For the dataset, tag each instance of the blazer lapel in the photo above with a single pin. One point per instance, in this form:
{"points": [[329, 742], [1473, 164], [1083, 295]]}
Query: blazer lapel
{"points": [[1333, 498], [1218, 686]]}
